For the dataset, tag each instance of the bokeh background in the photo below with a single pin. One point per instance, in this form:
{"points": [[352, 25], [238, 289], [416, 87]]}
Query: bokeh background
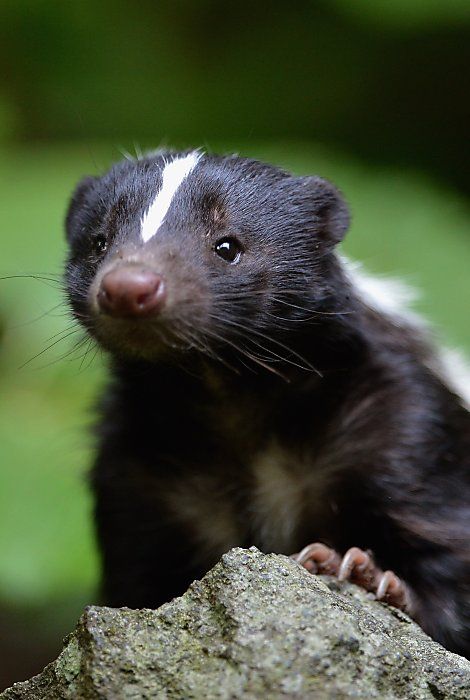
{"points": [[371, 93]]}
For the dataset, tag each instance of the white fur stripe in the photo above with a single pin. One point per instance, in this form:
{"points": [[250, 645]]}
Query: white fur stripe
{"points": [[173, 175], [452, 367], [387, 295], [392, 297]]}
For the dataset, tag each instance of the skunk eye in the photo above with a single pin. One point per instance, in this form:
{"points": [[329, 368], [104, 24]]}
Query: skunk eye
{"points": [[100, 244], [229, 250]]}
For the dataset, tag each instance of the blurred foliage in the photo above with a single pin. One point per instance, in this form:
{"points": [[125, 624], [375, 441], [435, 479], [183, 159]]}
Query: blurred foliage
{"points": [[390, 90], [370, 93], [405, 13], [44, 528]]}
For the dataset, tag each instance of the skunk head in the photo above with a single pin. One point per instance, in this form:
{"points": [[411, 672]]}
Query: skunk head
{"points": [[183, 252]]}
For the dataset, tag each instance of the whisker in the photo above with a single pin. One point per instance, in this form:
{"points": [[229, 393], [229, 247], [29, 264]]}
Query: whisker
{"points": [[290, 320], [267, 366], [251, 356], [312, 311], [212, 354], [49, 312], [69, 355], [93, 358], [252, 331], [85, 354], [248, 294], [63, 330], [273, 354], [31, 359], [50, 281]]}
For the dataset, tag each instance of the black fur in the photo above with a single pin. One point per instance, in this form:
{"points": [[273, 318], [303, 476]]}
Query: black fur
{"points": [[274, 365]]}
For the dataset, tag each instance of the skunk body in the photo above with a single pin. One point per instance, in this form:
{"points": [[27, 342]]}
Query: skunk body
{"points": [[258, 395]]}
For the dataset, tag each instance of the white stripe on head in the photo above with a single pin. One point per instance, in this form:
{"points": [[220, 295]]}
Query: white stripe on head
{"points": [[173, 175]]}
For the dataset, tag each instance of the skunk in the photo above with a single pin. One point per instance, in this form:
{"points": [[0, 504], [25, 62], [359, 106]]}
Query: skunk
{"points": [[261, 392]]}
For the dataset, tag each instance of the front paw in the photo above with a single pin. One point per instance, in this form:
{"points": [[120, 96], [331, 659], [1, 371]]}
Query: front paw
{"points": [[359, 567]]}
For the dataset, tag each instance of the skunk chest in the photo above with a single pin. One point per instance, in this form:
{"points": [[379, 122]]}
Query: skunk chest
{"points": [[264, 502]]}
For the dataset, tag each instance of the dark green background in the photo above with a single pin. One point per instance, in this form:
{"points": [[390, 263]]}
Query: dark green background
{"points": [[371, 94]]}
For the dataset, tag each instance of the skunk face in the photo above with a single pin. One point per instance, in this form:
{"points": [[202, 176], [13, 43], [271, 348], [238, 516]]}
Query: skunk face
{"points": [[183, 252]]}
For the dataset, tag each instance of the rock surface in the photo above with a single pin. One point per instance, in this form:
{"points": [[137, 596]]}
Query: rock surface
{"points": [[256, 626]]}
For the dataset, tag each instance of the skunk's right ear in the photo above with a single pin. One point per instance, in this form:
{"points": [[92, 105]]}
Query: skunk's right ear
{"points": [[78, 204]]}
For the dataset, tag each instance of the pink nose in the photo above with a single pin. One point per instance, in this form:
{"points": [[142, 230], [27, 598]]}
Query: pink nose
{"points": [[131, 291]]}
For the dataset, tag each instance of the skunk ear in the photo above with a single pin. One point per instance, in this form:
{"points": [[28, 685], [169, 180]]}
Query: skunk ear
{"points": [[330, 209], [78, 203]]}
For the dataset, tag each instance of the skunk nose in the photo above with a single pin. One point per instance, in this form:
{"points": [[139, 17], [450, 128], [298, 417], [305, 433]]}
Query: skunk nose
{"points": [[131, 291]]}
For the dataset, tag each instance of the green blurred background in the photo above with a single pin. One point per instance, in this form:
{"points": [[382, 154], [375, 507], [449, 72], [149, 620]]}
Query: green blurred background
{"points": [[371, 93]]}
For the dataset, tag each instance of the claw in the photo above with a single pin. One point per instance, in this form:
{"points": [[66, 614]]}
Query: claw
{"points": [[359, 567], [355, 559], [388, 585], [318, 558], [393, 591]]}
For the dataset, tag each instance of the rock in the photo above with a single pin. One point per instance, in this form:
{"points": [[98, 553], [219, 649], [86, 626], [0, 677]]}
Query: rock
{"points": [[256, 626]]}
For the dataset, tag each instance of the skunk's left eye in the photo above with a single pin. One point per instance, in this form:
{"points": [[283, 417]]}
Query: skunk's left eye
{"points": [[100, 244], [229, 249]]}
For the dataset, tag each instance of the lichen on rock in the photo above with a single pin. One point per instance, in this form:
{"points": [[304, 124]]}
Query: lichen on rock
{"points": [[256, 626]]}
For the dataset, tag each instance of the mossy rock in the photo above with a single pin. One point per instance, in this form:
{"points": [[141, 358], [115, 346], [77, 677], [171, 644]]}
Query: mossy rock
{"points": [[256, 626]]}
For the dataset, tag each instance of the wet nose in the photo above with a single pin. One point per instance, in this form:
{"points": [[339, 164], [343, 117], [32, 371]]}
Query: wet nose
{"points": [[131, 291]]}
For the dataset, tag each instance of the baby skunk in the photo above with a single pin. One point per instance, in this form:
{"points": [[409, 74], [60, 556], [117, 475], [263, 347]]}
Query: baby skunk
{"points": [[258, 396]]}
